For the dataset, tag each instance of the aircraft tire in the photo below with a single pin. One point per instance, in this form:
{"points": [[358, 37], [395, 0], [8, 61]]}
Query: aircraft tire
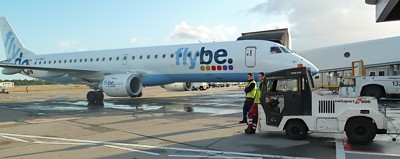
{"points": [[91, 96], [99, 96]]}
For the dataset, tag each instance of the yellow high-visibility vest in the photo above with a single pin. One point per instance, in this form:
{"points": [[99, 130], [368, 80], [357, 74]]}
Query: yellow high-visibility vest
{"points": [[258, 93], [252, 93]]}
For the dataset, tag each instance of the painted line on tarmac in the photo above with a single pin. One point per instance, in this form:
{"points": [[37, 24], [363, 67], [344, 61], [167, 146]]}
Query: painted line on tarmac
{"points": [[118, 146], [199, 156], [13, 138], [340, 153], [348, 149], [47, 120]]}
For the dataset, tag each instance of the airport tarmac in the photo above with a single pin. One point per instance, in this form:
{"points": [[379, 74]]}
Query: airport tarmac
{"points": [[161, 124]]}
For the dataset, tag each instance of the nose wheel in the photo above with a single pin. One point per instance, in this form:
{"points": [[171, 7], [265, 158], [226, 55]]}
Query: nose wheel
{"points": [[95, 97]]}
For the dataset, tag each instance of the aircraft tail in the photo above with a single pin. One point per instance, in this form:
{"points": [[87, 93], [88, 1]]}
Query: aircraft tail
{"points": [[13, 47]]}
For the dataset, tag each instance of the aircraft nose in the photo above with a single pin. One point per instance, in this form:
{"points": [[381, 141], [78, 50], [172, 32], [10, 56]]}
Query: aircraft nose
{"points": [[313, 69]]}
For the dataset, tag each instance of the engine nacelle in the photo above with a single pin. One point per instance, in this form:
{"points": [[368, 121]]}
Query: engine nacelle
{"points": [[178, 86], [121, 85], [11, 71]]}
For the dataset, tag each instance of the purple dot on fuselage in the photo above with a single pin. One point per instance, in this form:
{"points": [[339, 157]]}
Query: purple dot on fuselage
{"points": [[230, 60]]}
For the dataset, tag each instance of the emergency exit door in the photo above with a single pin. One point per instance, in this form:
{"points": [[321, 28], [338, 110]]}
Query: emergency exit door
{"points": [[250, 57]]}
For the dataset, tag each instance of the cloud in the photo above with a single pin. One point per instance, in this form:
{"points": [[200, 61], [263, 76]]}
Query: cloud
{"points": [[183, 31], [67, 44], [138, 41], [318, 23]]}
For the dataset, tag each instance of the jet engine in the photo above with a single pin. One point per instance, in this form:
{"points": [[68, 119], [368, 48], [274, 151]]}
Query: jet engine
{"points": [[178, 86], [121, 85]]}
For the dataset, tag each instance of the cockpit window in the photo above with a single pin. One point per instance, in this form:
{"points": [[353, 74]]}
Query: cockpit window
{"points": [[285, 50], [275, 50]]}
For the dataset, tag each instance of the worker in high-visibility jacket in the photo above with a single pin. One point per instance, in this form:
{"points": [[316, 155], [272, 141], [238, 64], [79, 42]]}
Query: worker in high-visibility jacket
{"points": [[253, 113], [250, 90]]}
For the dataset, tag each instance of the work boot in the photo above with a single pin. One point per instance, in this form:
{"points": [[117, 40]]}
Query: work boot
{"points": [[243, 121], [249, 130]]}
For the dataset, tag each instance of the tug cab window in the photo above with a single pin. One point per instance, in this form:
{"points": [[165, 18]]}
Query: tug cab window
{"points": [[287, 85], [275, 50]]}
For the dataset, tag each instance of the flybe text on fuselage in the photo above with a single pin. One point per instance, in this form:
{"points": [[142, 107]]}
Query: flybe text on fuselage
{"points": [[208, 60]]}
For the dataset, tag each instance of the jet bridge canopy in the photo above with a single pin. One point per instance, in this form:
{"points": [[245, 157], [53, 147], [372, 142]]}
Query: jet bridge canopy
{"points": [[281, 36], [386, 10]]}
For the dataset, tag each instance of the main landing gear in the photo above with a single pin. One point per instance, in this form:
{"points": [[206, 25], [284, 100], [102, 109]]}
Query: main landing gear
{"points": [[95, 98]]}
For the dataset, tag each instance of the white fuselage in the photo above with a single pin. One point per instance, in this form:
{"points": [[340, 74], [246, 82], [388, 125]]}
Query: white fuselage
{"points": [[203, 62]]}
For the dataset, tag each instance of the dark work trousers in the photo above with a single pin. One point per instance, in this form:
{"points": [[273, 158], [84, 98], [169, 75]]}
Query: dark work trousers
{"points": [[248, 103]]}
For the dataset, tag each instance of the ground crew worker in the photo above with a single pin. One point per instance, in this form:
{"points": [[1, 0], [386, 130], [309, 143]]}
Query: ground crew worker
{"points": [[253, 113], [250, 91]]}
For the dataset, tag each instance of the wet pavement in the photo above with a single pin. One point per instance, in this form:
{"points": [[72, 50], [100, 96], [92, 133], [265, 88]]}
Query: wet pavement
{"points": [[200, 124]]}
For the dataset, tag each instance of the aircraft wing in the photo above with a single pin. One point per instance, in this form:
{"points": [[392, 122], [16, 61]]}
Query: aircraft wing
{"points": [[54, 69]]}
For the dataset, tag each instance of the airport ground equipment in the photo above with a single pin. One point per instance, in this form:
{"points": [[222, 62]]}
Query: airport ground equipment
{"points": [[4, 90], [199, 86], [361, 85], [291, 104]]}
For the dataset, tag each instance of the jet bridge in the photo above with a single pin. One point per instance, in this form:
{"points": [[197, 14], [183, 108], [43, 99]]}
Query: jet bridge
{"points": [[281, 36], [386, 10]]}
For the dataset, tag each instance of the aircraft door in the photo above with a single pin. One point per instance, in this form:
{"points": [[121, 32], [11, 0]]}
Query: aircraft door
{"points": [[250, 57], [125, 59]]}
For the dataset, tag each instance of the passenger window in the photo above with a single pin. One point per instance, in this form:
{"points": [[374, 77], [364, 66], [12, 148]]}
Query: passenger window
{"points": [[148, 56], [85, 60], [197, 53], [104, 59], [275, 50], [80, 60], [141, 57], [55, 61], [180, 55], [35, 63], [109, 59], [97, 59], [372, 73], [172, 56], [163, 56], [44, 62], [117, 58], [70, 61], [125, 57], [188, 55], [133, 57], [40, 62], [91, 59], [381, 73], [49, 62], [75, 60], [65, 61], [59, 61]]}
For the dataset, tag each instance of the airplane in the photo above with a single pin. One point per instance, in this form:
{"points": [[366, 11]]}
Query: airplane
{"points": [[123, 72]]}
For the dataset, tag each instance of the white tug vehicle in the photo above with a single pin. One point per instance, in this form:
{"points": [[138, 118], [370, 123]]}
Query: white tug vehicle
{"points": [[291, 104]]}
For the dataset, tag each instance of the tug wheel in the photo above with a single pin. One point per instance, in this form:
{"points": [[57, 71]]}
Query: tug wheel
{"points": [[360, 130], [296, 130]]}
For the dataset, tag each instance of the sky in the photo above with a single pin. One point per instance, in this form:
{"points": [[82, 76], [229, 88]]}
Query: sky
{"points": [[48, 26]]}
